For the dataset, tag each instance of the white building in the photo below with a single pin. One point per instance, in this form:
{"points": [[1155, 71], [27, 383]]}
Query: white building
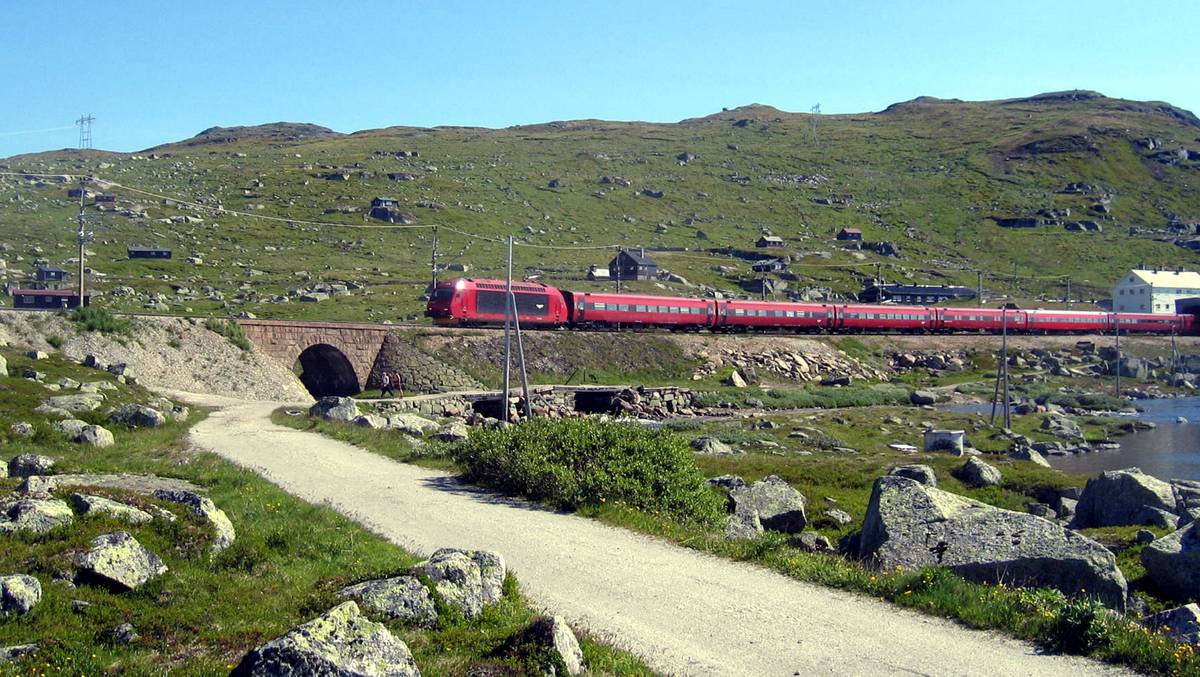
{"points": [[1154, 291]]}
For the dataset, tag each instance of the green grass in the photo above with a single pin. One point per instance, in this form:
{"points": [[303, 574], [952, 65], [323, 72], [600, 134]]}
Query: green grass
{"points": [[94, 318], [232, 331], [813, 397], [288, 561]]}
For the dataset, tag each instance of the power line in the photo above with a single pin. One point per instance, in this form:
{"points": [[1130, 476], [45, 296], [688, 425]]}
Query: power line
{"points": [[85, 131]]}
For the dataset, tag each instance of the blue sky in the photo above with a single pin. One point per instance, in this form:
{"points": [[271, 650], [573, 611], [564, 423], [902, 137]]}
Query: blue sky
{"points": [[153, 72]]}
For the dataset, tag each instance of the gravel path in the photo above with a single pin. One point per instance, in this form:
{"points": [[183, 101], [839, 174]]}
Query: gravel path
{"points": [[685, 612]]}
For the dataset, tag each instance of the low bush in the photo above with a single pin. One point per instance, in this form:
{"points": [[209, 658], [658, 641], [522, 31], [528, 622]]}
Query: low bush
{"points": [[574, 464], [230, 330], [102, 320]]}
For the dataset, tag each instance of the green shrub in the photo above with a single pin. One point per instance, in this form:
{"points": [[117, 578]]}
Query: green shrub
{"points": [[230, 330], [99, 319], [582, 463], [56, 341]]}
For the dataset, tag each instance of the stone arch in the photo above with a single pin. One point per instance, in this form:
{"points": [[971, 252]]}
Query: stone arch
{"points": [[325, 370]]}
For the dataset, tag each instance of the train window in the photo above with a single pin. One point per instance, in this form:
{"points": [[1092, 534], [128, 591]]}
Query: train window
{"points": [[639, 308], [601, 306]]}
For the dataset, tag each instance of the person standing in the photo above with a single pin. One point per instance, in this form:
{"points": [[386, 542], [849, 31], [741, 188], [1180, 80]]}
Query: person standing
{"points": [[397, 384], [385, 385]]}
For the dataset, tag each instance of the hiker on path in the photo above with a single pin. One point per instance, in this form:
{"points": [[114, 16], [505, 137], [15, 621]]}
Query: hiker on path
{"points": [[385, 385]]}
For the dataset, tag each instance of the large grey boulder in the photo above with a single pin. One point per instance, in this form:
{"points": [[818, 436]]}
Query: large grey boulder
{"points": [[712, 446], [35, 515], [411, 424], [19, 594], [119, 561], [976, 473], [77, 403], [402, 597], [95, 436], [914, 526], [203, 507], [30, 464], [1181, 624], [920, 473], [69, 427], [922, 398], [771, 503], [138, 416], [341, 409], [340, 643], [1125, 497], [98, 505], [466, 579], [1173, 562], [372, 421]]}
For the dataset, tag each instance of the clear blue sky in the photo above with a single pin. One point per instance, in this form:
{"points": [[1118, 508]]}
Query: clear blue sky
{"points": [[158, 71]]}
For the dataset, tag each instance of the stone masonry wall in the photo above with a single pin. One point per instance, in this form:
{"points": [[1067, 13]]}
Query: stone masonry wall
{"points": [[419, 372]]}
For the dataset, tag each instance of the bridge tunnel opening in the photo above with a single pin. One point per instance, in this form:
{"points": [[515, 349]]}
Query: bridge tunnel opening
{"points": [[324, 370]]}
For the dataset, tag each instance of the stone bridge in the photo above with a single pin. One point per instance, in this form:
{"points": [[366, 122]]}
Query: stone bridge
{"points": [[336, 358]]}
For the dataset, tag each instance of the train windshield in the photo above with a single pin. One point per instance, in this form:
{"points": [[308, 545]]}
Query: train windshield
{"points": [[443, 294]]}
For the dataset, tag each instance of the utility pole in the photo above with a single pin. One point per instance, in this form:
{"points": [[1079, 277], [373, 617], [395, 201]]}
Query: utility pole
{"points": [[507, 333], [1002, 374], [85, 130], [1117, 324], [813, 113], [83, 236], [433, 263], [1068, 290], [979, 288]]}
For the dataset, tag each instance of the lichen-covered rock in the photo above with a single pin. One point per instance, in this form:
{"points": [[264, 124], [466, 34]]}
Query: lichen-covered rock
{"points": [[22, 429], [839, 516], [98, 505], [202, 506], [35, 515], [453, 432], [411, 424], [95, 436], [976, 473], [402, 597], [773, 502], [711, 446], [1173, 562], [1122, 498], [920, 473], [19, 594], [340, 643], [1181, 624], [466, 579], [77, 403], [30, 464], [138, 416], [119, 561], [70, 427], [342, 409], [911, 525]]}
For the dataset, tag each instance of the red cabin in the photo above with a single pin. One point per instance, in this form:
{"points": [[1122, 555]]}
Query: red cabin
{"points": [[885, 318], [742, 315], [464, 301], [633, 310]]}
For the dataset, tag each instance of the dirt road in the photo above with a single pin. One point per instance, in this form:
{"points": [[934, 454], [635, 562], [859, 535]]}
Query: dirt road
{"points": [[685, 612]]}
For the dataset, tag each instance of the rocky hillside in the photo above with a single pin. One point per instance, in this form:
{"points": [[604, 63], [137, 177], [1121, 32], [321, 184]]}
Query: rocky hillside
{"points": [[1027, 191]]}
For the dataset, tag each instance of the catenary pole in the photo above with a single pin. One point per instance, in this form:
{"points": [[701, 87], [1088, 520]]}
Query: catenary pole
{"points": [[507, 332], [83, 237]]}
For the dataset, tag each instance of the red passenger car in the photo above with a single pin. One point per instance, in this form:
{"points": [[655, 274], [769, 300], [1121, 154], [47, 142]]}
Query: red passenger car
{"points": [[746, 315], [1146, 323], [1069, 322], [885, 318], [465, 302], [632, 310], [954, 320]]}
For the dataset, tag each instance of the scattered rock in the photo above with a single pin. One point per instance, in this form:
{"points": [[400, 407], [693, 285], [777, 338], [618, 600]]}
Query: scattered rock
{"points": [[12, 653], [1173, 562], [1144, 537], [95, 436], [411, 424], [341, 643], [119, 561], [920, 473], [553, 633], [1024, 453], [98, 505], [922, 398], [22, 429], [76, 403], [1181, 624], [913, 526], [36, 515], [403, 597], [841, 517], [372, 421], [125, 634], [341, 409], [19, 594], [712, 446], [811, 541], [70, 427], [30, 464], [770, 503], [726, 481], [977, 474], [203, 507], [138, 416], [1125, 497], [467, 580], [453, 432]]}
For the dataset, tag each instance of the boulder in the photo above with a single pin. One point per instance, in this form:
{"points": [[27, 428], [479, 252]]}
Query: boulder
{"points": [[453, 432], [922, 398], [204, 508], [811, 541], [30, 464], [19, 594], [138, 416], [839, 516], [1173, 562], [1061, 426], [976, 473], [70, 427], [117, 560], [402, 597], [95, 436], [554, 635], [726, 482], [712, 446], [98, 505], [77, 403], [340, 643], [913, 526], [372, 421], [1024, 453], [341, 409], [36, 515], [1124, 497], [771, 503], [1181, 624], [411, 424], [22, 429], [919, 473], [466, 579]]}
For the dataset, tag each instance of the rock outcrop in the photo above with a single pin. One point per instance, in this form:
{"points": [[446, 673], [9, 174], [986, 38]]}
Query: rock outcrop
{"points": [[98, 505], [339, 643], [402, 597], [35, 515], [770, 503], [1173, 562], [203, 507], [1125, 497], [712, 446], [913, 526]]}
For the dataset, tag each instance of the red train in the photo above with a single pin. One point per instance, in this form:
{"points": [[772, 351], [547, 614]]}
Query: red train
{"points": [[470, 302]]}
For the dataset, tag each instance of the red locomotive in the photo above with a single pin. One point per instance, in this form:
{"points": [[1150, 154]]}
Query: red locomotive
{"points": [[469, 302]]}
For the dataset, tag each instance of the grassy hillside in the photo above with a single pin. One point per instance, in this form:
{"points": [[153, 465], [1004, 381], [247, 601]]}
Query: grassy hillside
{"points": [[929, 176]]}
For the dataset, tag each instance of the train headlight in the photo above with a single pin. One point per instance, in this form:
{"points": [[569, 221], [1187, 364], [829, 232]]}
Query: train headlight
{"points": [[460, 284]]}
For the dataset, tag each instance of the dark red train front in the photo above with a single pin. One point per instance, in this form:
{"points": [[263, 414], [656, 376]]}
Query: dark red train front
{"points": [[469, 302]]}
